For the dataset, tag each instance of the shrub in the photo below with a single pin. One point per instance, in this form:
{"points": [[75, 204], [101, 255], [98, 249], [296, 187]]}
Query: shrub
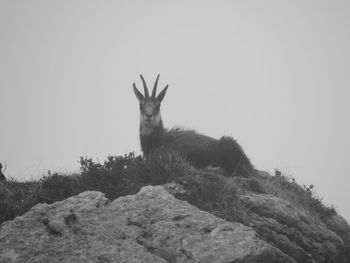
{"points": [[213, 193], [16, 198], [285, 186], [117, 176]]}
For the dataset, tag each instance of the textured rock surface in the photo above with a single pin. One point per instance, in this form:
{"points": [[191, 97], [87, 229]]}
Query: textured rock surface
{"points": [[151, 226], [295, 232]]}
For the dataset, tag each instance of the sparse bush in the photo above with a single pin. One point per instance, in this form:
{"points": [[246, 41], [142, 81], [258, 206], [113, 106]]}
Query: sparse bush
{"points": [[214, 193], [57, 187], [251, 184], [16, 198], [117, 176], [285, 186]]}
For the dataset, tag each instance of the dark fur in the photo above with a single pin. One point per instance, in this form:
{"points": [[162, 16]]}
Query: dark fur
{"points": [[151, 142], [232, 157], [200, 150]]}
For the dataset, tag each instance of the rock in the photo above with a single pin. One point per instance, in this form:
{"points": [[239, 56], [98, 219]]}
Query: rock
{"points": [[294, 231], [174, 188], [339, 226], [151, 226]]}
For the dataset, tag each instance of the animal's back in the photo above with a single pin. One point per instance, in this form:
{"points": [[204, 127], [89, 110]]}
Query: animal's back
{"points": [[201, 151], [232, 157], [198, 149]]}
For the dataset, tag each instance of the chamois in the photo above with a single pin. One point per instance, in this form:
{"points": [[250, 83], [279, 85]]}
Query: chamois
{"points": [[197, 149], [2, 176]]}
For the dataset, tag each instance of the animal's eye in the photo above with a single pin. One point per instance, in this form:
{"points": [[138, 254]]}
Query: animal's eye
{"points": [[141, 107], [157, 107]]}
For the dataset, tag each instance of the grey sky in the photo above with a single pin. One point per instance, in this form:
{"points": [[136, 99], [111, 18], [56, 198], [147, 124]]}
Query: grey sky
{"points": [[273, 74]]}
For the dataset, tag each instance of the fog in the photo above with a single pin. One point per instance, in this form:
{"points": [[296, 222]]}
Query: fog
{"points": [[274, 75]]}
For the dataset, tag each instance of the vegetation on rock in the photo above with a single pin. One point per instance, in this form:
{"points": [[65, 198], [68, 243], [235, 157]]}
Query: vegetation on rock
{"points": [[234, 199]]}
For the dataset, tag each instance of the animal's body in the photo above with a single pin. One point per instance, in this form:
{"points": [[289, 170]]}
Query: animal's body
{"points": [[198, 149]]}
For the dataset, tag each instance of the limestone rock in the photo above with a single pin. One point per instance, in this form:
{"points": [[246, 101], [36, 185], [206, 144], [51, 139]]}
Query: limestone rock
{"points": [[151, 226], [297, 233]]}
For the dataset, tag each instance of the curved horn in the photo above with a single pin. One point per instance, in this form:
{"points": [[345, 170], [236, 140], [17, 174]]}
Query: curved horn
{"points": [[154, 91], [144, 86]]}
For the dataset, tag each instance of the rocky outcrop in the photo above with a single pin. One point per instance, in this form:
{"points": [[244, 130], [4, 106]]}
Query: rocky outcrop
{"points": [[297, 233], [151, 226]]}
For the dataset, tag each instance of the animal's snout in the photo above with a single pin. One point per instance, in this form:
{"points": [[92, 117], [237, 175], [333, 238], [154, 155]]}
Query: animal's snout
{"points": [[148, 116]]}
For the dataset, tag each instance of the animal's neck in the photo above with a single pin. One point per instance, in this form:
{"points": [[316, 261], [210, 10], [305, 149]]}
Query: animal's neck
{"points": [[151, 137]]}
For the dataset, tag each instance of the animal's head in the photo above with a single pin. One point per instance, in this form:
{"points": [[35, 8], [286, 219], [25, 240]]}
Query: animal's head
{"points": [[149, 105]]}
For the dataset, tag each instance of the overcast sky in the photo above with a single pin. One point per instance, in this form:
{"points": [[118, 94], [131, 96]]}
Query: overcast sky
{"points": [[273, 74]]}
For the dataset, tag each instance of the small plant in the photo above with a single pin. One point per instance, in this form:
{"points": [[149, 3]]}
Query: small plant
{"points": [[285, 186], [309, 189], [214, 193], [278, 173]]}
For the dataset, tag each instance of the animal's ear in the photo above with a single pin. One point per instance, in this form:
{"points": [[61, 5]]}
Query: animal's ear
{"points": [[161, 95], [138, 94]]}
